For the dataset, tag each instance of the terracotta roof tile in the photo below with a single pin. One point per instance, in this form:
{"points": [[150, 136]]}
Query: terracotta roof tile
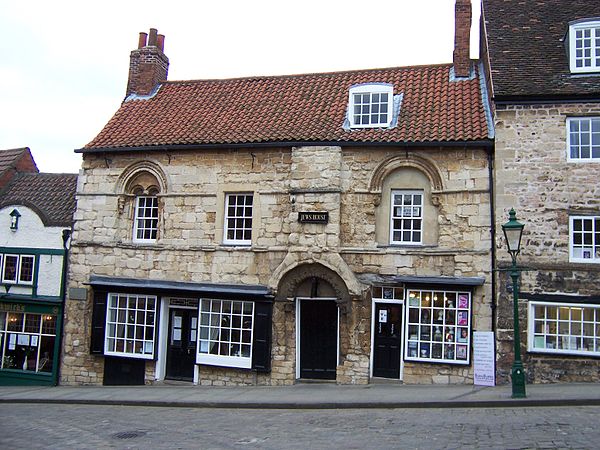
{"points": [[296, 108]]}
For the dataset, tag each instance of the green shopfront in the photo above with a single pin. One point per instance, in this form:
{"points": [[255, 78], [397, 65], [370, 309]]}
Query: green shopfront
{"points": [[31, 316]]}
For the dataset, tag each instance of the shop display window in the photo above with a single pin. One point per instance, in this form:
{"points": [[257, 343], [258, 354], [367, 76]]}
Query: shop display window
{"points": [[225, 337], [564, 328], [27, 341], [130, 325], [438, 326]]}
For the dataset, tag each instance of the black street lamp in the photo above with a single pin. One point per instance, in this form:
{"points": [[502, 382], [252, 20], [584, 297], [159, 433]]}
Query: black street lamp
{"points": [[513, 231]]}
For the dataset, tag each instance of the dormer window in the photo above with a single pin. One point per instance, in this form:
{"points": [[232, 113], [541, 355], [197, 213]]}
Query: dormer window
{"points": [[584, 46], [371, 105]]}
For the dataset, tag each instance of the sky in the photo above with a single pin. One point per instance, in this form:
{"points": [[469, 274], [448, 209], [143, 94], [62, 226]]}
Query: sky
{"points": [[64, 63]]}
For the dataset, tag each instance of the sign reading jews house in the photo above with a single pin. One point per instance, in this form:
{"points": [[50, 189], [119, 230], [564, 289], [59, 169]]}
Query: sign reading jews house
{"points": [[313, 217]]}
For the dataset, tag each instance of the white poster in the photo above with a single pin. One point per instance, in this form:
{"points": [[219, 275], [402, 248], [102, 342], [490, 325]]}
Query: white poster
{"points": [[484, 361], [12, 341]]}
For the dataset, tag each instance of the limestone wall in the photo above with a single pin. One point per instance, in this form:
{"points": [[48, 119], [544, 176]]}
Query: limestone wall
{"points": [[533, 175], [346, 183]]}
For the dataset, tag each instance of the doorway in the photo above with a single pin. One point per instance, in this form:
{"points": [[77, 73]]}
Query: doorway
{"points": [[318, 338], [387, 340], [181, 345]]}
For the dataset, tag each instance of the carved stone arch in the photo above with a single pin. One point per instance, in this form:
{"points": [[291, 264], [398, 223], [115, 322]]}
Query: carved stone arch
{"points": [[145, 175], [410, 160], [309, 275]]}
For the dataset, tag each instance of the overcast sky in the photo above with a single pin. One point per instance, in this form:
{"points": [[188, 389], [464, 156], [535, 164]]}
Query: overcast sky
{"points": [[64, 64]]}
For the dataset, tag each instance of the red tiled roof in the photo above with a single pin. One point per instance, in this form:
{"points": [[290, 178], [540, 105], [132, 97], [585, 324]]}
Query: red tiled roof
{"points": [[297, 108]]}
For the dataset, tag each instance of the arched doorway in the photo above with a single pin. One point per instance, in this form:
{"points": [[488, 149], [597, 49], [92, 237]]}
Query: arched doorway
{"points": [[320, 296]]}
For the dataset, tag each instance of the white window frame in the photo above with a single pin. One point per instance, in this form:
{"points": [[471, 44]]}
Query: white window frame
{"points": [[423, 323], [119, 327], [18, 270], [411, 218], [244, 217], [140, 218], [575, 40], [593, 249], [217, 316], [558, 332], [574, 139], [371, 89]]}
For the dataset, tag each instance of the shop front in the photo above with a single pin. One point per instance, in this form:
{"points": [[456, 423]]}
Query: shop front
{"points": [[421, 321], [159, 330], [29, 341]]}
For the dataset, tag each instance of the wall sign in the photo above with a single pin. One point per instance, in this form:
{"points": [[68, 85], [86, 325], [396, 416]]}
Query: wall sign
{"points": [[313, 217]]}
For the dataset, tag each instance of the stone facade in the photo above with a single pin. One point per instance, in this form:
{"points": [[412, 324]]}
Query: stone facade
{"points": [[351, 251], [534, 177]]}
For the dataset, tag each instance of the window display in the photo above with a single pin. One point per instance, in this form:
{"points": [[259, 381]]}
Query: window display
{"points": [[130, 322], [438, 326], [225, 333], [27, 341], [564, 328]]}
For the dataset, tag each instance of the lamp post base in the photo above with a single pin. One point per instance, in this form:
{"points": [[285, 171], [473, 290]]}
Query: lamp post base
{"points": [[518, 380]]}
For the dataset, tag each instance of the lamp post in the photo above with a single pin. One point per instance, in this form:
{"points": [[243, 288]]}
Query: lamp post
{"points": [[513, 231]]}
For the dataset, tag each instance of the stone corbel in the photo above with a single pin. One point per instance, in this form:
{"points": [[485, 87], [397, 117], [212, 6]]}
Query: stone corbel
{"points": [[121, 204], [435, 200]]}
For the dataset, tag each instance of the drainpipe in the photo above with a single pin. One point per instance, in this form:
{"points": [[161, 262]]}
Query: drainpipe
{"points": [[66, 234], [493, 304]]}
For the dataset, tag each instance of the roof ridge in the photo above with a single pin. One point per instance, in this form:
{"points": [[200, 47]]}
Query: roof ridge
{"points": [[311, 74]]}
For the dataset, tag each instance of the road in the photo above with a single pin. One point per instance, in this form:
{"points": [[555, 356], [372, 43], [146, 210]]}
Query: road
{"points": [[35, 426]]}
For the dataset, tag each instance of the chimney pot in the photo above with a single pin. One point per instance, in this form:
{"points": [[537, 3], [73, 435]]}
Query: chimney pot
{"points": [[152, 38], [142, 41], [160, 42]]}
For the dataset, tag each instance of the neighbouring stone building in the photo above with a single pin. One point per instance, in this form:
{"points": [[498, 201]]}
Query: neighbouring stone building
{"points": [[265, 230], [543, 60], [36, 214]]}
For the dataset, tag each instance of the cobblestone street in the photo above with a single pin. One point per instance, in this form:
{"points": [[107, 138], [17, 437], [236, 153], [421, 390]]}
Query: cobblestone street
{"points": [[85, 427]]}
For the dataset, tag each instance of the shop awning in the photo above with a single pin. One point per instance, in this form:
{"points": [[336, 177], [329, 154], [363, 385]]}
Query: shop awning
{"points": [[456, 281], [165, 287]]}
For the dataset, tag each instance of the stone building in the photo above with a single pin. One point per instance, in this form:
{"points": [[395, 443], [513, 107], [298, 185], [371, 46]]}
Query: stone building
{"points": [[543, 60], [264, 230], [36, 213]]}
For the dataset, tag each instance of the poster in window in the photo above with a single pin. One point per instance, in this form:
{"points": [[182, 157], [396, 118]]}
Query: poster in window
{"points": [[34, 341], [463, 301], [463, 335], [23, 339], [461, 352], [12, 341], [463, 318], [388, 293]]}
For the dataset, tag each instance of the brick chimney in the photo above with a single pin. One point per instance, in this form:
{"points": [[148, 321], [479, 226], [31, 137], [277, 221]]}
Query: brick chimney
{"points": [[148, 65], [462, 31]]}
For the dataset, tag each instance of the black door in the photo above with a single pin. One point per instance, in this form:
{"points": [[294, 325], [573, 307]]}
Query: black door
{"points": [[181, 348], [318, 339], [387, 340]]}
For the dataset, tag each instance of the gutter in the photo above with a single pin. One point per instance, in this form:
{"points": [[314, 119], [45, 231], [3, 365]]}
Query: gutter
{"points": [[487, 143]]}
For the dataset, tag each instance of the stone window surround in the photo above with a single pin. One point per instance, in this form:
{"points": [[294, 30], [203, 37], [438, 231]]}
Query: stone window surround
{"points": [[371, 89], [592, 25]]}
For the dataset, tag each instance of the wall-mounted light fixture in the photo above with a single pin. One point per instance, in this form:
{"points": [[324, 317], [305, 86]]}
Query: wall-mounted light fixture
{"points": [[14, 220]]}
